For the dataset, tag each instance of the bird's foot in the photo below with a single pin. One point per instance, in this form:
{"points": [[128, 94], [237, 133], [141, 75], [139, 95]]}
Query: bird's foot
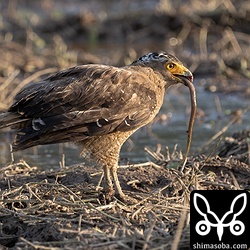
{"points": [[126, 199], [106, 196]]}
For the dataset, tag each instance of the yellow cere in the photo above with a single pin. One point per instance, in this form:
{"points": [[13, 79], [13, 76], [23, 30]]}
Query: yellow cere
{"points": [[175, 68]]}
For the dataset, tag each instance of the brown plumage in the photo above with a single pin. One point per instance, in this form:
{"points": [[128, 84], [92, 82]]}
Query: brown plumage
{"points": [[96, 106]]}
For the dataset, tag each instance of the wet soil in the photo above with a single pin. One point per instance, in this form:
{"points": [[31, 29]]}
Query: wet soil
{"points": [[61, 209]]}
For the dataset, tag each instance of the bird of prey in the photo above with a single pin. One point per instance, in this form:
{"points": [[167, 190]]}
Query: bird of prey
{"points": [[96, 106]]}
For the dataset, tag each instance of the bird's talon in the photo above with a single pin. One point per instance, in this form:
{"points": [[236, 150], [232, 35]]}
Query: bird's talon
{"points": [[106, 196], [126, 199]]}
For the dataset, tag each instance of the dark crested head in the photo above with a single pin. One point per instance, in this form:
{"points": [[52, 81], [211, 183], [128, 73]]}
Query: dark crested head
{"points": [[157, 56], [168, 65]]}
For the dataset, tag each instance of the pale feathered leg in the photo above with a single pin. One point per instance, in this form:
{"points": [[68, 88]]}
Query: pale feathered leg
{"points": [[118, 189], [108, 185]]}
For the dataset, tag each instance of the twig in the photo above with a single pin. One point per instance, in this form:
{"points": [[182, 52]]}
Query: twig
{"points": [[62, 162], [236, 184], [7, 82], [179, 230], [224, 129], [29, 243], [32, 193], [218, 106], [29, 79], [153, 154], [103, 213], [12, 155], [210, 154], [231, 36], [36, 246], [98, 186], [144, 164], [149, 234]]}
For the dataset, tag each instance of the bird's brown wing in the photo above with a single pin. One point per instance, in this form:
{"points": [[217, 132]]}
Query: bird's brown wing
{"points": [[80, 102]]}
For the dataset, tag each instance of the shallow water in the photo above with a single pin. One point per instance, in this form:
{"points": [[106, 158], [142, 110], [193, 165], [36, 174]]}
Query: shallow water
{"points": [[167, 133], [175, 107]]}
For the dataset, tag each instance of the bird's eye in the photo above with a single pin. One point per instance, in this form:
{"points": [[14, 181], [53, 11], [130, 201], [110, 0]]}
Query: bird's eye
{"points": [[170, 66]]}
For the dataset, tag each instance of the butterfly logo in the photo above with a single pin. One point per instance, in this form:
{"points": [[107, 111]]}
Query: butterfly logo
{"points": [[210, 219]]}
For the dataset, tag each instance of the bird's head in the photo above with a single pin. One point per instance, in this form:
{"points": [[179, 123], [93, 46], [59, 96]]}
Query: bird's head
{"points": [[169, 66]]}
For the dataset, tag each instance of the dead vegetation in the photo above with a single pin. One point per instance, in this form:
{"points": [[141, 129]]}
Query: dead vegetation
{"points": [[61, 209], [211, 37]]}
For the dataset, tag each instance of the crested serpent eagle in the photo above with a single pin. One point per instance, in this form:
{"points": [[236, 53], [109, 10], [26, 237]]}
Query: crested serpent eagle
{"points": [[96, 106]]}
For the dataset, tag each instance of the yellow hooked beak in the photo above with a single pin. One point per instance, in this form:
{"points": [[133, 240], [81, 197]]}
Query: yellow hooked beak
{"points": [[180, 71]]}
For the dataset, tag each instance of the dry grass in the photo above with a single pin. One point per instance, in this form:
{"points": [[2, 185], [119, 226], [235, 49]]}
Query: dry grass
{"points": [[213, 40], [61, 209]]}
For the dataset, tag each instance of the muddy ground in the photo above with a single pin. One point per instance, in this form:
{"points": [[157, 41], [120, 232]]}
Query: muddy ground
{"points": [[61, 209]]}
